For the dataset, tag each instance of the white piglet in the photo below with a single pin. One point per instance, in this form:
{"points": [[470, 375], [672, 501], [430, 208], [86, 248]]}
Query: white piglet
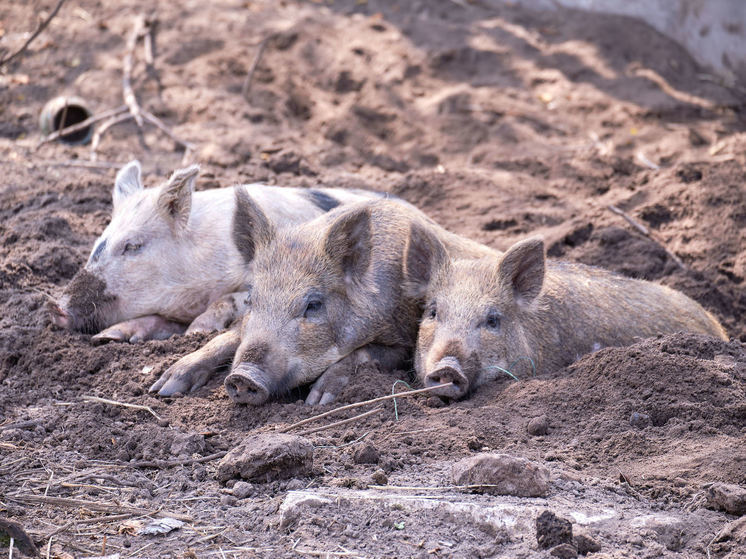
{"points": [[168, 261]]}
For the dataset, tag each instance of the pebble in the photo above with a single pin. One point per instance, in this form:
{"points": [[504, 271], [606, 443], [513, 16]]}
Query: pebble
{"points": [[727, 497], [504, 474], [639, 420], [268, 457], [564, 551], [538, 426], [552, 530], [366, 454]]}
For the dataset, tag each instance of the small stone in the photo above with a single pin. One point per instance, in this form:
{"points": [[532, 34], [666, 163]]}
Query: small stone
{"points": [[538, 426], [585, 544], [379, 477], [502, 474], [670, 530], [639, 420], [228, 500], [435, 402], [551, 530], [367, 454], [293, 505], [242, 489], [294, 485], [727, 497], [268, 457], [564, 551], [474, 444]]}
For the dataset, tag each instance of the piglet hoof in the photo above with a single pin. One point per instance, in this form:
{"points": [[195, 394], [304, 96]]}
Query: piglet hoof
{"points": [[329, 385], [247, 385], [112, 334], [181, 377]]}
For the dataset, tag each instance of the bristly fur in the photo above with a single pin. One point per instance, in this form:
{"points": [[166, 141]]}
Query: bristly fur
{"points": [[351, 263], [549, 312]]}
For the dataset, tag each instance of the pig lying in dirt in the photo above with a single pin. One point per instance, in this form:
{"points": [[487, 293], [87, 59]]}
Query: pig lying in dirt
{"points": [[486, 316], [169, 258], [327, 296]]}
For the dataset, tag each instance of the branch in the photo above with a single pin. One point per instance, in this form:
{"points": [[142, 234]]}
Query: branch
{"points": [[39, 29]]}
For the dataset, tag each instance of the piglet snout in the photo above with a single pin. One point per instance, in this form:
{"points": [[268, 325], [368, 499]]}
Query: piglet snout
{"points": [[248, 384], [60, 316], [448, 370]]}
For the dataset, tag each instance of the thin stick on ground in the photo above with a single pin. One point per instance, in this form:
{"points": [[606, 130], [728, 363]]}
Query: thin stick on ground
{"points": [[95, 506], [42, 27], [157, 122], [171, 463], [342, 422], [80, 163], [250, 76], [122, 404], [365, 403], [129, 61], [81, 125], [645, 231], [116, 119]]}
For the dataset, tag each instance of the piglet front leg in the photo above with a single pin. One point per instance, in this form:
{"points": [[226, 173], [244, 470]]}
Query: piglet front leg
{"points": [[194, 370], [332, 381], [221, 313], [151, 327]]}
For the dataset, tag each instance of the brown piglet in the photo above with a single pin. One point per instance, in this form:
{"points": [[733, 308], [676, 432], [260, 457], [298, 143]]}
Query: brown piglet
{"points": [[333, 293], [487, 317]]}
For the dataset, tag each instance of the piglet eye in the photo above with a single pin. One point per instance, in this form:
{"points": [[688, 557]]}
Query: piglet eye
{"points": [[432, 311], [493, 320], [312, 308], [131, 248]]}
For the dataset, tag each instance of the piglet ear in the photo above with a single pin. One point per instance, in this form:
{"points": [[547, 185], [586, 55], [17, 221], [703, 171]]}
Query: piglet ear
{"points": [[521, 269], [348, 243], [251, 228], [424, 258], [128, 181], [175, 198]]}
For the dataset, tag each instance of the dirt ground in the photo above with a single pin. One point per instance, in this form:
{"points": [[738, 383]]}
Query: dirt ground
{"points": [[499, 122]]}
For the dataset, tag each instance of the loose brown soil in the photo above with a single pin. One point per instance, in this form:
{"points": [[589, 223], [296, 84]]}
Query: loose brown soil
{"points": [[499, 122]]}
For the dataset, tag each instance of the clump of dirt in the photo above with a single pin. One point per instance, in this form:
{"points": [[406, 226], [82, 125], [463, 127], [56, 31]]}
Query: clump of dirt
{"points": [[497, 120]]}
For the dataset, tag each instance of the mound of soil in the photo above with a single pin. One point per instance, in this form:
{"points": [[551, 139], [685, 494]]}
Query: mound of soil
{"points": [[498, 121]]}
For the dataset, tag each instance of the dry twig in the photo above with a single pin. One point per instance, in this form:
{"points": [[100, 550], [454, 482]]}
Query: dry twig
{"points": [[122, 404], [129, 61], [364, 403], [42, 27], [157, 122], [116, 119], [342, 422], [94, 506], [645, 231], [171, 463], [250, 76]]}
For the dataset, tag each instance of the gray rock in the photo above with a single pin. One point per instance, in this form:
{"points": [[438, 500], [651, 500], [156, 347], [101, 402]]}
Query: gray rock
{"points": [[552, 530], [502, 474], [585, 544], [242, 489], [538, 426], [670, 530], [292, 507], [267, 457], [379, 477], [366, 454], [727, 497], [639, 420], [564, 551]]}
